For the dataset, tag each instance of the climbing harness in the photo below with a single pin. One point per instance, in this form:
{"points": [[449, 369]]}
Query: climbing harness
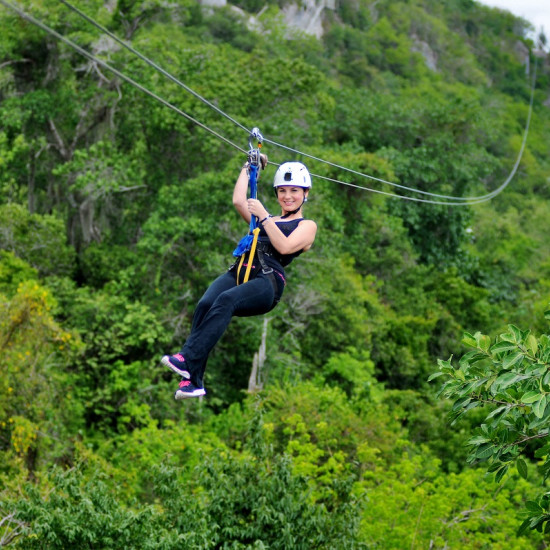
{"points": [[249, 243]]}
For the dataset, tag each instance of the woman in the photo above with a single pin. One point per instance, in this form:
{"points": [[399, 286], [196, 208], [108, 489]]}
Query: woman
{"points": [[281, 239]]}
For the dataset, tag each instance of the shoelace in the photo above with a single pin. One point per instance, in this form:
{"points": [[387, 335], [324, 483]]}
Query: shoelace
{"points": [[179, 357], [184, 383]]}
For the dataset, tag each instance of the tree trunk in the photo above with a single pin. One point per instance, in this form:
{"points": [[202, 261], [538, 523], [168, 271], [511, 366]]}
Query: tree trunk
{"points": [[256, 382]]}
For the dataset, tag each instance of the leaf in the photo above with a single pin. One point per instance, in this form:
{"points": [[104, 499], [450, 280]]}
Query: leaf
{"points": [[539, 406], [471, 358], [521, 466], [536, 370], [477, 440], [460, 375], [494, 467], [500, 473], [533, 506], [445, 366], [496, 411], [532, 345], [499, 347], [485, 451], [531, 397], [483, 341], [523, 527], [490, 382], [469, 340], [516, 332], [480, 382], [467, 389], [507, 379], [460, 403], [435, 375], [537, 423], [510, 360]]}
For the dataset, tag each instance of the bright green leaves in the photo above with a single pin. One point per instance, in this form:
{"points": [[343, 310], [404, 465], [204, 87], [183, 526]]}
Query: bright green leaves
{"points": [[521, 466], [483, 342], [499, 347], [34, 350], [539, 406], [531, 344], [37, 239], [530, 397], [510, 360], [510, 379]]}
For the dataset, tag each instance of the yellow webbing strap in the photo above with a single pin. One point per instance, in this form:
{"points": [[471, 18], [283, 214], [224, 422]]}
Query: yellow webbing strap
{"points": [[255, 232], [239, 268]]}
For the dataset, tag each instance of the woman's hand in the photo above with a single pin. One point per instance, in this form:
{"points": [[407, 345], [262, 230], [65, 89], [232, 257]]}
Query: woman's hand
{"points": [[263, 160], [256, 208]]}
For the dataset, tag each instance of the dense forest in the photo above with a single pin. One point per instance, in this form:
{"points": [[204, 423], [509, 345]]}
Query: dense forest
{"points": [[402, 400]]}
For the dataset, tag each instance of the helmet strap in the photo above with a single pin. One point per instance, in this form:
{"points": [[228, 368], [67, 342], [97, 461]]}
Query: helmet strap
{"points": [[291, 213]]}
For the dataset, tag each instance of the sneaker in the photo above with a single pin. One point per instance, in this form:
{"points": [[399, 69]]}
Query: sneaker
{"points": [[187, 389], [177, 364]]}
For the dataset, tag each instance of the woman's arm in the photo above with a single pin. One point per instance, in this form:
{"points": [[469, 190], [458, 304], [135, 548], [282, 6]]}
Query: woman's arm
{"points": [[240, 194], [300, 239]]}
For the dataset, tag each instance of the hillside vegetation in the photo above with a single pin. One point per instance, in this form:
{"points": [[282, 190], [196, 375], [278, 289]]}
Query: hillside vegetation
{"points": [[115, 214]]}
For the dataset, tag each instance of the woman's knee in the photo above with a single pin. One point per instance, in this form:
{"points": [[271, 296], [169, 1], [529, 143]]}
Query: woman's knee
{"points": [[225, 301], [203, 307]]}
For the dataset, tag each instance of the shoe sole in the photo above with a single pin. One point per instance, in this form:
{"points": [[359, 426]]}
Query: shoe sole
{"points": [[166, 362], [179, 395]]}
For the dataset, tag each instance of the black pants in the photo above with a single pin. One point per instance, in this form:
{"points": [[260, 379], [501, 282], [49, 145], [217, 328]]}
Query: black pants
{"points": [[220, 303]]}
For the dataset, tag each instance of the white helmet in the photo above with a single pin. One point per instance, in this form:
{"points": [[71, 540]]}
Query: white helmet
{"points": [[292, 173]]}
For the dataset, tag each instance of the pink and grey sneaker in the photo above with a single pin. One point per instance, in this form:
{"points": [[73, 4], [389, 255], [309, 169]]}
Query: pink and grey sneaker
{"points": [[177, 364], [187, 389]]}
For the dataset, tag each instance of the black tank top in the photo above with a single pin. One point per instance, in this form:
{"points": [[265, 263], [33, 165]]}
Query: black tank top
{"points": [[272, 257]]}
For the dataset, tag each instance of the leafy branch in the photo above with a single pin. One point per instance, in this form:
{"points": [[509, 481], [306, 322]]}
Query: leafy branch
{"points": [[511, 376]]}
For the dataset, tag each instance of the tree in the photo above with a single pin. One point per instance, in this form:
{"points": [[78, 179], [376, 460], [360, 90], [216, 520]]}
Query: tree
{"points": [[34, 353], [37, 239], [510, 378]]}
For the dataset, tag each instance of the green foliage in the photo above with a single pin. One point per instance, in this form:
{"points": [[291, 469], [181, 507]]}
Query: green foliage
{"points": [[114, 369], [35, 353], [413, 505], [338, 301], [510, 377], [254, 504], [241, 501], [115, 216], [37, 239], [79, 511], [424, 420], [14, 271], [96, 174]]}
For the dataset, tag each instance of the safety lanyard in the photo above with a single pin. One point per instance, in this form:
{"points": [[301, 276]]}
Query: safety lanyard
{"points": [[250, 241]]}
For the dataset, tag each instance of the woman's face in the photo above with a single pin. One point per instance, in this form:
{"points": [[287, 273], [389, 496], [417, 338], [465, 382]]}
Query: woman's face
{"points": [[291, 197]]}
